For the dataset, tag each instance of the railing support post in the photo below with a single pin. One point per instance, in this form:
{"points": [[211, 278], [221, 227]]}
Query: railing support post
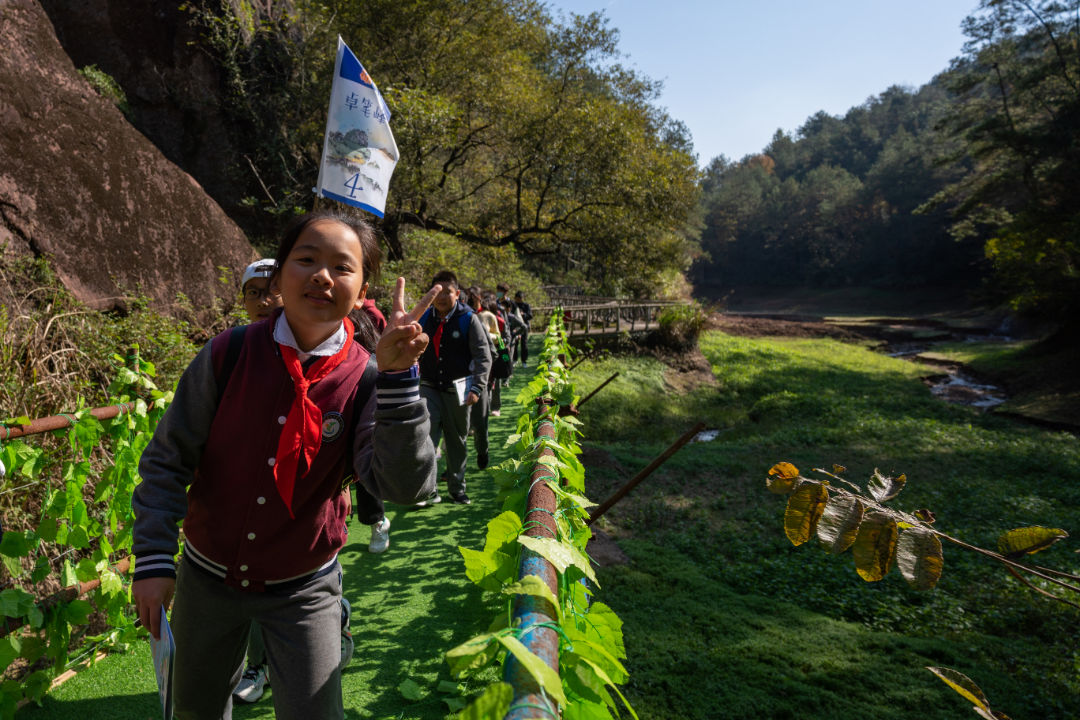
{"points": [[644, 473], [597, 389]]}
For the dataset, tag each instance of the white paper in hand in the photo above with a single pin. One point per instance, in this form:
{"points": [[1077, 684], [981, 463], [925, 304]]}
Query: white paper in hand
{"points": [[461, 387], [164, 652]]}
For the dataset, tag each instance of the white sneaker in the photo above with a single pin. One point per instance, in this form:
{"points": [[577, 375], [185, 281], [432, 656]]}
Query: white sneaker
{"points": [[252, 684], [380, 536], [431, 499], [346, 634]]}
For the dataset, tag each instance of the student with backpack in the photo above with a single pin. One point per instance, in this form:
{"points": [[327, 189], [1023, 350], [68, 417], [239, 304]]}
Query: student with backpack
{"points": [[260, 302], [453, 370], [478, 413], [268, 459]]}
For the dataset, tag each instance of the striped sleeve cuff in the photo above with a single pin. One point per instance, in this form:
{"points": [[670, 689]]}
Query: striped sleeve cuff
{"points": [[393, 389], [154, 565]]}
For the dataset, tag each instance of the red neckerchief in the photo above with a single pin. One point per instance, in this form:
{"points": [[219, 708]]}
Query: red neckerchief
{"points": [[437, 340], [302, 434]]}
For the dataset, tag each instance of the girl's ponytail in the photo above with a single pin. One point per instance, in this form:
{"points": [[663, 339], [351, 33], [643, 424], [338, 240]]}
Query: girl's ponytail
{"points": [[366, 333]]}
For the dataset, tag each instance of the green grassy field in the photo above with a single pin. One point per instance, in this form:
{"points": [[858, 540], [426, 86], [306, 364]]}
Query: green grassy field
{"points": [[751, 624], [723, 616]]}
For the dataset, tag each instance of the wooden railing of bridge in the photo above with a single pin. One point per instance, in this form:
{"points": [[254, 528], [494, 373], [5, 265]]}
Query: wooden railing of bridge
{"points": [[607, 318]]}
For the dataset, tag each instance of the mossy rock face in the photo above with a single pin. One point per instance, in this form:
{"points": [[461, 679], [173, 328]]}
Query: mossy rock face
{"points": [[83, 186]]}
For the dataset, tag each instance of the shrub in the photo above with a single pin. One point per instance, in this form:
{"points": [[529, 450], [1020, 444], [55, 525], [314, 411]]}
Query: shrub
{"points": [[105, 86], [680, 326], [54, 350]]}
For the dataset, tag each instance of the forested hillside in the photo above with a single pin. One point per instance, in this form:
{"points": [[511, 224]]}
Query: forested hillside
{"points": [[835, 204], [968, 180]]}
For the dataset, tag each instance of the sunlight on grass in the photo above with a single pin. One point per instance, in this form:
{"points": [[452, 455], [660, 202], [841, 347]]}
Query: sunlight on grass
{"points": [[757, 626]]}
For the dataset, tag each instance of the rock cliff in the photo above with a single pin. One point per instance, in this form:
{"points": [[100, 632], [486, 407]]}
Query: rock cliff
{"points": [[80, 184], [173, 88]]}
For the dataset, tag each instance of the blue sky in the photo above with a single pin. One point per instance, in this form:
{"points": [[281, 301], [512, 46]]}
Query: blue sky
{"points": [[736, 70]]}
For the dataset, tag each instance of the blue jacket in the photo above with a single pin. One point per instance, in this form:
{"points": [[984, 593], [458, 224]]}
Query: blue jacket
{"points": [[464, 349]]}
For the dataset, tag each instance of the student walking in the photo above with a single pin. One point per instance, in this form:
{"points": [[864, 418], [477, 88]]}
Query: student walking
{"points": [[453, 370], [260, 302], [266, 458], [478, 413], [526, 314]]}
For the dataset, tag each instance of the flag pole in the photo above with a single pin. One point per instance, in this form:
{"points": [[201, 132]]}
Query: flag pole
{"points": [[326, 133]]}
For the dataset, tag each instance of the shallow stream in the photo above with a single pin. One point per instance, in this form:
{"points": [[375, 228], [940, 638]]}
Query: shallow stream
{"points": [[950, 382]]}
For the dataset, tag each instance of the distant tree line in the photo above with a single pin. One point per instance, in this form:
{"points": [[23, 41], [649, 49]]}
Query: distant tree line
{"points": [[972, 178]]}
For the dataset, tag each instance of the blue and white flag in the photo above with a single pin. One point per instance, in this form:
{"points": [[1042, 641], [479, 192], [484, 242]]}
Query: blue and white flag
{"points": [[359, 152]]}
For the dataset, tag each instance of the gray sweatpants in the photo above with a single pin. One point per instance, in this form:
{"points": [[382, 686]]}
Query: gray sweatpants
{"points": [[450, 421], [301, 628], [478, 421]]}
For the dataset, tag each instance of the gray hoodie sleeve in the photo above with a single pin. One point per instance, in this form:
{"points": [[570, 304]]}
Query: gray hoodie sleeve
{"points": [[392, 452], [480, 348], [168, 465], [515, 321]]}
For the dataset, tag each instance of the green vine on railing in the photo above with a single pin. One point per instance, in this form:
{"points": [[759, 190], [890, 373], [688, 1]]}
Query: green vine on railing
{"points": [[80, 493], [591, 646]]}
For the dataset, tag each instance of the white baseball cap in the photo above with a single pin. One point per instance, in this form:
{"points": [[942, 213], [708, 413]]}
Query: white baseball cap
{"points": [[258, 269]]}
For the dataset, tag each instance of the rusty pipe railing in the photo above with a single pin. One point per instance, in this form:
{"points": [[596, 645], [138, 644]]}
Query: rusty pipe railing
{"points": [[64, 595], [644, 473], [59, 422], [531, 612]]}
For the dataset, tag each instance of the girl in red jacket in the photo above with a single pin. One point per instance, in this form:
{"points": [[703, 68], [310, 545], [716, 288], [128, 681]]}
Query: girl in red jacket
{"points": [[258, 471]]}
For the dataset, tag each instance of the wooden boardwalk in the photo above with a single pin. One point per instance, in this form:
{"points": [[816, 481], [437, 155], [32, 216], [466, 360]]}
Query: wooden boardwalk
{"points": [[612, 317]]}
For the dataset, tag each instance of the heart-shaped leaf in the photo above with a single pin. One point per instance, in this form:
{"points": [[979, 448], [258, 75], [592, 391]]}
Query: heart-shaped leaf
{"points": [[839, 523], [1028, 540], [918, 555], [804, 509], [875, 546], [885, 488], [783, 477]]}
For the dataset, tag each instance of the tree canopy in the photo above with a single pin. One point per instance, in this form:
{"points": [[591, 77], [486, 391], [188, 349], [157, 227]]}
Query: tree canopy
{"points": [[515, 129], [1015, 117], [833, 204]]}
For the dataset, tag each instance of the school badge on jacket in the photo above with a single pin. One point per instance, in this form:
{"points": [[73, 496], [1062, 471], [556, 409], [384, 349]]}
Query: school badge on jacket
{"points": [[332, 425]]}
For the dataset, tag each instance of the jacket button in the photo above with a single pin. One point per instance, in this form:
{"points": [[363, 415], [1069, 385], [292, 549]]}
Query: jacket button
{"points": [[271, 461], [281, 420], [261, 500], [244, 583], [243, 568], [251, 536]]}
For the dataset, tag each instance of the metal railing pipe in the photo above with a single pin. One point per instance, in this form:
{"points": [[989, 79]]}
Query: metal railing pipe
{"points": [[59, 422], [531, 613], [64, 595]]}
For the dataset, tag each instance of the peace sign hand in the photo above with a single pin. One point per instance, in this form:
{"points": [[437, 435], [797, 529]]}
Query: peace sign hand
{"points": [[403, 340]]}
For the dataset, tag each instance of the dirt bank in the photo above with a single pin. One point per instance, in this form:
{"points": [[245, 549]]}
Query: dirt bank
{"points": [[776, 326]]}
